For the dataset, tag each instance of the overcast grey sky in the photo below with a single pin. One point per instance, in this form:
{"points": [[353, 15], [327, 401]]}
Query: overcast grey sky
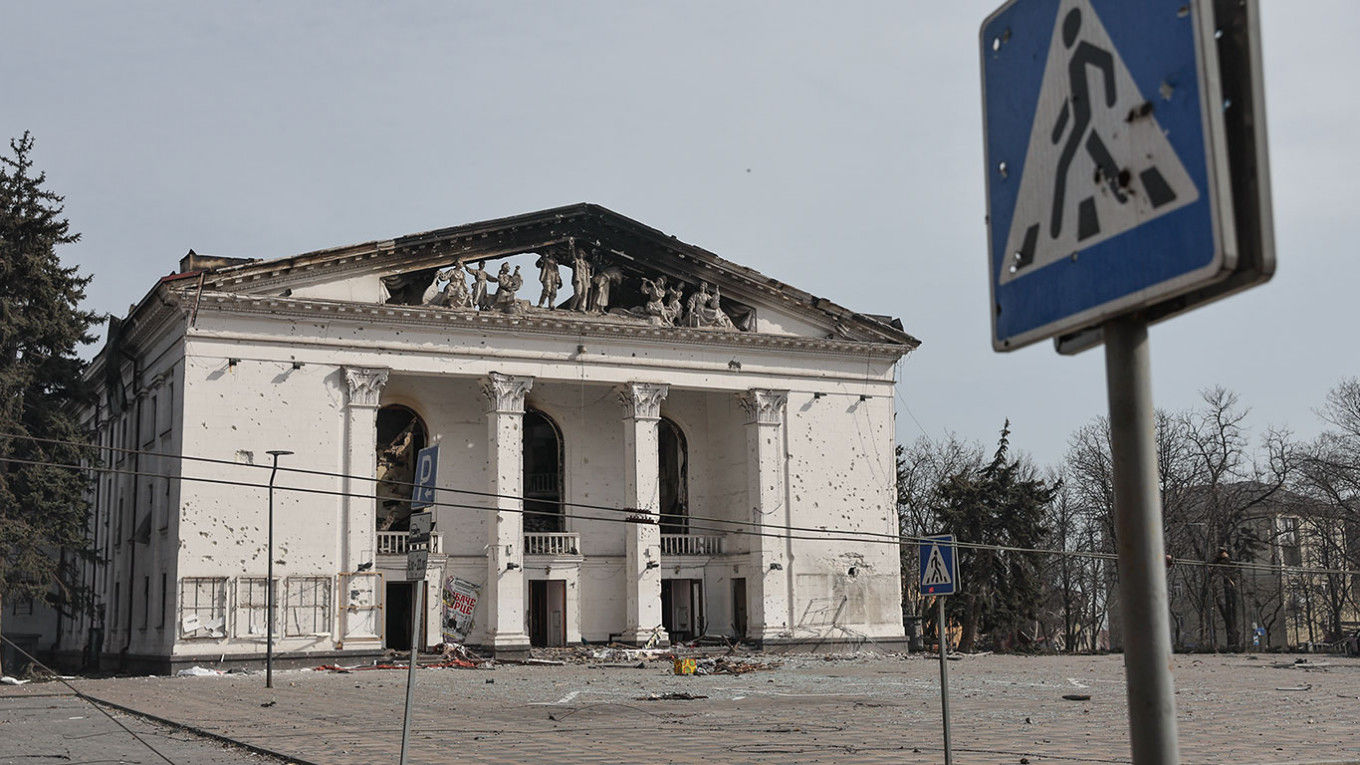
{"points": [[835, 146]]}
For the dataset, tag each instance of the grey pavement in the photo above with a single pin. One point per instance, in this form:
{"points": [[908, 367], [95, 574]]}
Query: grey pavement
{"points": [[1007, 709], [49, 724]]}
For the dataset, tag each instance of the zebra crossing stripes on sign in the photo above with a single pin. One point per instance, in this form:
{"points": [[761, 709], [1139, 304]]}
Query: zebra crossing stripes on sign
{"points": [[938, 565]]}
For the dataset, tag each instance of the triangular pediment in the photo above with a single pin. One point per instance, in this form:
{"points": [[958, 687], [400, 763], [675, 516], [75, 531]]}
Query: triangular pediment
{"points": [[636, 274]]}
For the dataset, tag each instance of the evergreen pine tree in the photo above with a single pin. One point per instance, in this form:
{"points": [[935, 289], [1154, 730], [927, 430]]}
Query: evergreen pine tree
{"points": [[1001, 503], [43, 509]]}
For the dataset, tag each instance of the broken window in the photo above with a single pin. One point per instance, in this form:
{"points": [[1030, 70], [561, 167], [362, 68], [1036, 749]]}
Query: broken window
{"points": [[401, 435], [252, 606], [203, 607], [309, 605], [542, 474], [673, 474], [1290, 554]]}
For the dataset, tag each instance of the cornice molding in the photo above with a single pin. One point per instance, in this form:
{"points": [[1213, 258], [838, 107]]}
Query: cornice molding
{"points": [[554, 323]]}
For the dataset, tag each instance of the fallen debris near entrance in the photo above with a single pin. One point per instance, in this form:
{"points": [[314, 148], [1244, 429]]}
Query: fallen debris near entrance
{"points": [[672, 696], [724, 665]]}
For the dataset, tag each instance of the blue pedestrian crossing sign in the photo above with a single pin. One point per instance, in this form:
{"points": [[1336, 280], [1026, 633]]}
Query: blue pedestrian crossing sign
{"points": [[1109, 187], [939, 565], [427, 467]]}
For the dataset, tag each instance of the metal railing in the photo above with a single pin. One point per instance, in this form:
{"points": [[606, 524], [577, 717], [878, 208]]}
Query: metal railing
{"points": [[394, 543], [552, 543], [691, 544]]}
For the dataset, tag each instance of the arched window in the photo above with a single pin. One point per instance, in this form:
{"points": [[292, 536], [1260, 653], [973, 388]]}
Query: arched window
{"points": [[542, 474], [673, 473], [401, 435]]}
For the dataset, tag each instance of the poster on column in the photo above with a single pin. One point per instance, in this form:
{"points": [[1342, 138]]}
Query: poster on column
{"points": [[460, 601]]}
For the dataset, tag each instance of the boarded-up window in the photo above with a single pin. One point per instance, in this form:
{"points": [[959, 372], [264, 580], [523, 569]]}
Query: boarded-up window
{"points": [[203, 607]]}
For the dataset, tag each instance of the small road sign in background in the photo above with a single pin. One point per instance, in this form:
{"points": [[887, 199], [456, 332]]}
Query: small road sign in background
{"points": [[939, 565]]}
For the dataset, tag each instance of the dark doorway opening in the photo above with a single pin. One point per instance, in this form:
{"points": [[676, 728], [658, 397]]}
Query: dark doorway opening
{"points": [[398, 616], [673, 475], [682, 608], [547, 613], [739, 606], [542, 474]]}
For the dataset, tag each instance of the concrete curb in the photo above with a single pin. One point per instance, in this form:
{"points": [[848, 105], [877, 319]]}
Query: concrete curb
{"points": [[200, 732]]}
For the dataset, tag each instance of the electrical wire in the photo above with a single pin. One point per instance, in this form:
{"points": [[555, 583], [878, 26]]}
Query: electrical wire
{"points": [[626, 515]]}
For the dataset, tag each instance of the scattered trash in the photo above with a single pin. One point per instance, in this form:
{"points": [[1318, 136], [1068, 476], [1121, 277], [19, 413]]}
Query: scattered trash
{"points": [[197, 671], [727, 665], [1303, 687], [672, 696], [1077, 696], [268, 704], [684, 666], [7, 680]]}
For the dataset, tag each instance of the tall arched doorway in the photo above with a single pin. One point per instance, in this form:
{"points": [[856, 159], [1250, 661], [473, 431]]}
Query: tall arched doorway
{"points": [[542, 474], [401, 435], [673, 475]]}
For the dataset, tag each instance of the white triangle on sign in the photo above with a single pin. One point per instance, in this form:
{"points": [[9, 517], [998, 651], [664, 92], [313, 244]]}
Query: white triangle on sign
{"points": [[1094, 169], [937, 572]]}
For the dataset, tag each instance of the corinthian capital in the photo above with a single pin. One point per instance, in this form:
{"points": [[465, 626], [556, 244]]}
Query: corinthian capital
{"points": [[764, 406], [505, 393], [365, 385], [642, 401]]}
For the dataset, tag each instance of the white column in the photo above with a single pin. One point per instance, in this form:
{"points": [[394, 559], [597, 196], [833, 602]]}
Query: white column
{"points": [[358, 514], [642, 494], [767, 601], [504, 592]]}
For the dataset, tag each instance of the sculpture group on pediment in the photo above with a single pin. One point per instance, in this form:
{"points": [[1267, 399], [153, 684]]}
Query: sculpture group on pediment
{"points": [[594, 281]]}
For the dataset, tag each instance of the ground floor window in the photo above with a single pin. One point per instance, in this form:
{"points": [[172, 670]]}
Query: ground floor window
{"points": [[309, 605], [252, 606], [203, 607]]}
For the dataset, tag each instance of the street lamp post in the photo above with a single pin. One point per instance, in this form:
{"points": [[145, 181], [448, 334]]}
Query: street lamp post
{"points": [[269, 580]]}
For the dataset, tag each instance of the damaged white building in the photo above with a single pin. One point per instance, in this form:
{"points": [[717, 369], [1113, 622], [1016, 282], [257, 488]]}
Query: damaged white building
{"points": [[617, 412]]}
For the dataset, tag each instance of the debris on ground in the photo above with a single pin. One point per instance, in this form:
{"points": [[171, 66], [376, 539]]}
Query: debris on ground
{"points": [[1077, 696], [1303, 687], [197, 671], [1300, 664], [725, 665], [672, 696], [7, 680]]}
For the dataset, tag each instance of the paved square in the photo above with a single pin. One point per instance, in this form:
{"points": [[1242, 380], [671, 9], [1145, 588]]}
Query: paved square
{"points": [[863, 710]]}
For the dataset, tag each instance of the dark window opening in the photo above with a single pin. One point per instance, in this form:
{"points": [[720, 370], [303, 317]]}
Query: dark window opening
{"points": [[401, 435], [542, 474], [673, 474]]}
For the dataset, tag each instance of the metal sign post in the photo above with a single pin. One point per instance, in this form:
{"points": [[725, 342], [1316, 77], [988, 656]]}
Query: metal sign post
{"points": [[939, 568], [417, 558]]}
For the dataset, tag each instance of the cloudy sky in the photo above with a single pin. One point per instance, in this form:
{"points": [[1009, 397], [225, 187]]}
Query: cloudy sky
{"points": [[835, 146]]}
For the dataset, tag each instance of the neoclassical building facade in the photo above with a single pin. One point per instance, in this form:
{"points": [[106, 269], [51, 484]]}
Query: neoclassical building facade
{"points": [[639, 441]]}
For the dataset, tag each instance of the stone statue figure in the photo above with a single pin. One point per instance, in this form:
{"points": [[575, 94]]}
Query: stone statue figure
{"points": [[656, 294], [550, 278], [456, 292], [695, 305], [673, 309], [480, 299], [605, 278], [704, 309], [580, 281], [507, 283], [715, 312]]}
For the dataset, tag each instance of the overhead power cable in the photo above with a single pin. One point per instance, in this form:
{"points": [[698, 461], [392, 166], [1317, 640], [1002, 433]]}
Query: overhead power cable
{"points": [[626, 515]]}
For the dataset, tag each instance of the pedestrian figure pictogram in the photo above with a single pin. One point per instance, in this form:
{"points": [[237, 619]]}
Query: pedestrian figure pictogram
{"points": [[936, 573], [1098, 163]]}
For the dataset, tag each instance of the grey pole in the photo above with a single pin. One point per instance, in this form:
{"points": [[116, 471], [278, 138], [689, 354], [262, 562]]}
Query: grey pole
{"points": [[269, 577], [944, 680], [1142, 563], [411, 671]]}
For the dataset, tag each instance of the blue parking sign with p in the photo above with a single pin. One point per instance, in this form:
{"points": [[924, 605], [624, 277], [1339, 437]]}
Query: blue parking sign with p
{"points": [[939, 566], [427, 466]]}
